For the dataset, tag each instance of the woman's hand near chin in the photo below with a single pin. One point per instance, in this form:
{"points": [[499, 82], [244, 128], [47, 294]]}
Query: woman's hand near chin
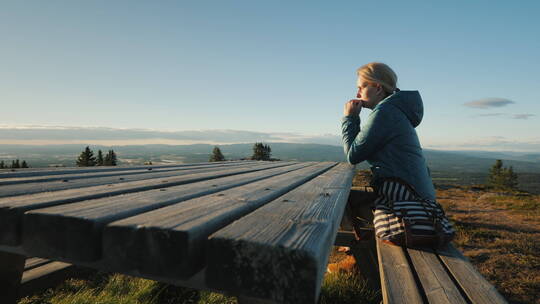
{"points": [[352, 107]]}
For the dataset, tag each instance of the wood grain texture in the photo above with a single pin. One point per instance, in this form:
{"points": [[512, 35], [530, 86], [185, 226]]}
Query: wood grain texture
{"points": [[73, 231], [473, 283], [12, 208], [397, 280], [171, 241], [438, 286], [31, 172], [89, 179], [280, 251]]}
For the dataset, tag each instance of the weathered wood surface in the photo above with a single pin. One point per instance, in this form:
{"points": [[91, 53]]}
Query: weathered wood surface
{"points": [[34, 262], [436, 283], [158, 227], [86, 180], [477, 288], [12, 208], [397, 280], [73, 231], [280, 251], [171, 241], [28, 172]]}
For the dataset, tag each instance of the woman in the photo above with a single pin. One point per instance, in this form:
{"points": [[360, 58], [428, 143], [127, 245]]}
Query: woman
{"points": [[388, 142]]}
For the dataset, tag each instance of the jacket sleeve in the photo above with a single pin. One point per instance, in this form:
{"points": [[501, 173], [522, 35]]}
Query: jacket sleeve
{"points": [[358, 144]]}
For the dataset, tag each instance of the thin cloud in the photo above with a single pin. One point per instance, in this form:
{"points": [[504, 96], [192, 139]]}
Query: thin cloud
{"points": [[58, 135], [522, 116], [490, 115], [488, 103]]}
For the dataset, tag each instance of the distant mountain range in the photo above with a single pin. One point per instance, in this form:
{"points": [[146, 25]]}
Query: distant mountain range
{"points": [[462, 161]]}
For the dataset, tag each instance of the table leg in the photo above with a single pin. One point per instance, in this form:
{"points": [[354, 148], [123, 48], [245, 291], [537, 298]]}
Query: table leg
{"points": [[11, 271]]}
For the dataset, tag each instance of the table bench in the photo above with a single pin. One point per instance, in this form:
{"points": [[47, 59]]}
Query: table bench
{"points": [[261, 231]]}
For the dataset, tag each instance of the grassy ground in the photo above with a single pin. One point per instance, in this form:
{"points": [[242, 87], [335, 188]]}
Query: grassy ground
{"points": [[103, 288], [500, 234]]}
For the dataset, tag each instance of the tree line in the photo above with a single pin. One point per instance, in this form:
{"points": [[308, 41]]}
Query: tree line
{"points": [[14, 164], [87, 158], [260, 152]]}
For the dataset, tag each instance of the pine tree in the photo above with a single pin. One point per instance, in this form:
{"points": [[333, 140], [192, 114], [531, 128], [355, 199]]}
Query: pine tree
{"points": [[24, 164], [216, 155], [15, 164], [261, 152], [99, 158], [2, 165], [501, 177], [86, 158], [110, 159]]}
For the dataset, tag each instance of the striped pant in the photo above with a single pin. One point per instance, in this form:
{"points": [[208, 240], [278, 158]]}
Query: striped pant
{"points": [[398, 205]]}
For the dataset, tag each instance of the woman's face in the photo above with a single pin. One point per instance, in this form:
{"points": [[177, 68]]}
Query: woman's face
{"points": [[370, 93]]}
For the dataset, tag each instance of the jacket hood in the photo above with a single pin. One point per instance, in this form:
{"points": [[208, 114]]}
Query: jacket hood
{"points": [[408, 102]]}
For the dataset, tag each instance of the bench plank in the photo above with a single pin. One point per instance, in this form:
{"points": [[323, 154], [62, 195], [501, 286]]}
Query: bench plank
{"points": [[44, 276], [437, 285], [477, 288], [73, 231], [12, 208], [171, 241], [34, 262], [397, 281], [81, 181], [280, 251]]}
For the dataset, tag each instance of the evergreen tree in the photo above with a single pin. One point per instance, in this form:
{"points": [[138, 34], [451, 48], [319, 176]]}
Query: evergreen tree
{"points": [[216, 155], [15, 164], [86, 158], [2, 165], [99, 158], [24, 164], [261, 152], [110, 159], [502, 178]]}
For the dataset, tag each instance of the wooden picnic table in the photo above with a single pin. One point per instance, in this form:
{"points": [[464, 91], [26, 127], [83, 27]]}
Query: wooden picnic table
{"points": [[256, 230]]}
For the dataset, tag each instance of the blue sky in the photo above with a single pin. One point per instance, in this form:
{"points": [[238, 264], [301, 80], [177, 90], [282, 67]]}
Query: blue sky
{"points": [[275, 68]]}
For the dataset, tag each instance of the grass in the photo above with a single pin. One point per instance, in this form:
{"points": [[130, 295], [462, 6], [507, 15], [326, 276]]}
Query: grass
{"points": [[500, 234], [104, 288]]}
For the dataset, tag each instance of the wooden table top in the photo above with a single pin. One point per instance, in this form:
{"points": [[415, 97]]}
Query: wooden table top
{"points": [[246, 228]]}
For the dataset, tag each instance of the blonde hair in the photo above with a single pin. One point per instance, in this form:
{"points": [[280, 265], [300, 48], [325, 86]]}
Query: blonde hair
{"points": [[379, 73]]}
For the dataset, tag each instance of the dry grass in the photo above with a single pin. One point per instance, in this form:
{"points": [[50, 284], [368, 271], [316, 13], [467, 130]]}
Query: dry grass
{"points": [[500, 234]]}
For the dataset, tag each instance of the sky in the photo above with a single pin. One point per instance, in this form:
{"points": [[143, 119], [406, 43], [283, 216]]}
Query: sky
{"points": [[273, 70]]}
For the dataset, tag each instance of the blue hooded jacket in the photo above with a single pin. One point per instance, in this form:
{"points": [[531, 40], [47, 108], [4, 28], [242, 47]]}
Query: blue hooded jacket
{"points": [[389, 143]]}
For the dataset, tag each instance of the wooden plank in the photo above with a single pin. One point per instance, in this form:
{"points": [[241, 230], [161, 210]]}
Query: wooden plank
{"points": [[73, 231], [12, 208], [25, 187], [11, 270], [280, 251], [45, 276], [397, 280], [77, 170], [437, 285], [477, 288], [34, 262], [170, 241]]}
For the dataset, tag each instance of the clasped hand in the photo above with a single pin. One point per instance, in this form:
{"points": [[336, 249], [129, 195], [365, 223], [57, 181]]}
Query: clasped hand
{"points": [[352, 107]]}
